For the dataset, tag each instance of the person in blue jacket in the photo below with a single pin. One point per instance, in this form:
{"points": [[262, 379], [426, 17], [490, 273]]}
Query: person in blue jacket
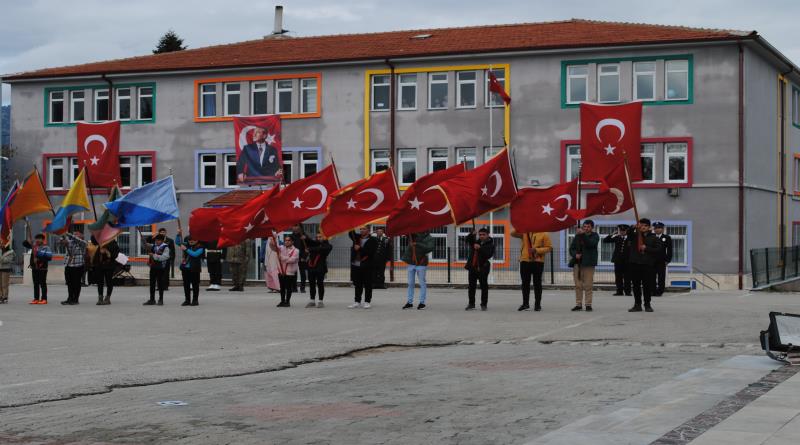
{"points": [[191, 264]]}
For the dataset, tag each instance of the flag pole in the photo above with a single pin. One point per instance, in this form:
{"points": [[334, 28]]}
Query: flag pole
{"points": [[39, 177], [639, 240], [89, 189]]}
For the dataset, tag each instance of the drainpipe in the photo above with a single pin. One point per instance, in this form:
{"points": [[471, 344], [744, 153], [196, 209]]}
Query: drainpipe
{"points": [[741, 166], [391, 144], [110, 97], [782, 163]]}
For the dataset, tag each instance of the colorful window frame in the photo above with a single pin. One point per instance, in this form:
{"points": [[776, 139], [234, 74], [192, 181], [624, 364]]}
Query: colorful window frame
{"points": [[597, 62], [226, 151], [93, 88], [247, 80], [94, 190]]}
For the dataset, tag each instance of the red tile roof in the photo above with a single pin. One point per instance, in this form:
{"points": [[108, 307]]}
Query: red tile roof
{"points": [[233, 198], [573, 33]]}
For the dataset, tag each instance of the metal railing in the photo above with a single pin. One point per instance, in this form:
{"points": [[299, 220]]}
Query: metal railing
{"points": [[774, 264]]}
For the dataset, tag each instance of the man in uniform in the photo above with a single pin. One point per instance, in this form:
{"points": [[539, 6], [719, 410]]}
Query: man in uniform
{"points": [[643, 248], [621, 276], [214, 260], [662, 259], [238, 257]]}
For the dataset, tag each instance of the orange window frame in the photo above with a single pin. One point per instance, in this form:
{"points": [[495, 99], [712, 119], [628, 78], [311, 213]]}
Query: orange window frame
{"points": [[300, 76]]}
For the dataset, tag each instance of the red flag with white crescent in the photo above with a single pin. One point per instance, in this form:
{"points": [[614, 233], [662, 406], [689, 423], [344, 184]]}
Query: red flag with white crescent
{"points": [[545, 210], [613, 197], [422, 206], [303, 199], [98, 151], [482, 189], [363, 202], [609, 134], [246, 221]]}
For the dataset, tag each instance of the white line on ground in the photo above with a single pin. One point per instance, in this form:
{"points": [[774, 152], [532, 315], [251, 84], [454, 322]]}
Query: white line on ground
{"points": [[32, 382], [575, 325]]}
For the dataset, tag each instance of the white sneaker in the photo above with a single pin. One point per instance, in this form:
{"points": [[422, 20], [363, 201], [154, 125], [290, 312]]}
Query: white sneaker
{"points": [[311, 303], [366, 306], [320, 305], [354, 306]]}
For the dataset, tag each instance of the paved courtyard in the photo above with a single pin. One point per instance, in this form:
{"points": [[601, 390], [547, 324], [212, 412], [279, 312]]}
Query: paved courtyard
{"points": [[238, 370]]}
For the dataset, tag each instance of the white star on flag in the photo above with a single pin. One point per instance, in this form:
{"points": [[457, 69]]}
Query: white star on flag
{"points": [[248, 227], [415, 203], [351, 204], [609, 149], [266, 218], [547, 209], [270, 139], [484, 190], [94, 160], [296, 203]]}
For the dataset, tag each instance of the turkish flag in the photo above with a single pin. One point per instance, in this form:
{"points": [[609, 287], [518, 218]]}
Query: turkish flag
{"points": [[482, 189], [422, 206], [614, 195], [495, 87], [360, 203], [303, 199], [98, 151], [609, 134], [545, 210], [204, 223], [246, 221]]}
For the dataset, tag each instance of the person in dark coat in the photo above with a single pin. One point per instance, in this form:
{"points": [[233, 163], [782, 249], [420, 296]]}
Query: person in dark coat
{"points": [[383, 253], [104, 264], [481, 251], [299, 239], [317, 251], [663, 259], [642, 247], [191, 264], [214, 262], [362, 266], [621, 277]]}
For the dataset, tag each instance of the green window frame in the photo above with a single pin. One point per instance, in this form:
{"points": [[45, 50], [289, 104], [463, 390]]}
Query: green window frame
{"points": [[93, 88], [795, 112], [688, 57]]}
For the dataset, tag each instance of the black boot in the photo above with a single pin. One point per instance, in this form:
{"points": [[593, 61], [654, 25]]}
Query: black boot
{"points": [[160, 301], [99, 300], [194, 302], [149, 302], [107, 300], [186, 303]]}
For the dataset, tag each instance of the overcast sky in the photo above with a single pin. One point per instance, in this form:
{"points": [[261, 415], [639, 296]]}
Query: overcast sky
{"points": [[47, 33]]}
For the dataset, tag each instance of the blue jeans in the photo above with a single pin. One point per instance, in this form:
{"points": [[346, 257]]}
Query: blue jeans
{"points": [[423, 286]]}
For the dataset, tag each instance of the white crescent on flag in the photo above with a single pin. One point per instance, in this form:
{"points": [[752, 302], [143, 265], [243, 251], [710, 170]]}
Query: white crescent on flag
{"points": [[322, 190], [443, 210], [92, 138], [567, 198], [379, 197], [612, 122]]}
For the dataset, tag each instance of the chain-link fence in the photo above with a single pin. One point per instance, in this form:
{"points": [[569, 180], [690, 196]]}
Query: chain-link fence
{"points": [[774, 264]]}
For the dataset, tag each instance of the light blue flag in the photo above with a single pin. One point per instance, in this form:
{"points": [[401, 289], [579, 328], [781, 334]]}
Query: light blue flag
{"points": [[151, 204]]}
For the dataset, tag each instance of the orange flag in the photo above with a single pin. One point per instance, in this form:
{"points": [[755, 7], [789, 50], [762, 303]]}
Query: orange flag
{"points": [[30, 198]]}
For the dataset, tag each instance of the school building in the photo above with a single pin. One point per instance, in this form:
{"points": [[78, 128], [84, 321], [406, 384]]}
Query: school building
{"points": [[721, 124]]}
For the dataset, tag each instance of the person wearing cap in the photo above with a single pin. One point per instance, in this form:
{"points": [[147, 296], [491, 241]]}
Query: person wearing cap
{"points": [[663, 258], [642, 247], [481, 251], [621, 276]]}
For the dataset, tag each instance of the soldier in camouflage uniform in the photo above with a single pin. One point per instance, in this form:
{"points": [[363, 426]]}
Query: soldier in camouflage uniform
{"points": [[238, 257]]}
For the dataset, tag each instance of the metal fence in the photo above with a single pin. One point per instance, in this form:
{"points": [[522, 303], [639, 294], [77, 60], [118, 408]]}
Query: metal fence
{"points": [[774, 264]]}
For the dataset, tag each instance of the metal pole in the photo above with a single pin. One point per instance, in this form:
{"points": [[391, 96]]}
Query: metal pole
{"points": [[552, 267], [766, 262], [448, 265]]}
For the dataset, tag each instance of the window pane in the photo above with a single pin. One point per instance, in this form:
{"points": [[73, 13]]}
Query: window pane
{"points": [[608, 83], [575, 167], [438, 95], [309, 99], [57, 111], [145, 107], [380, 92], [58, 178], [644, 78], [101, 108], [677, 168], [78, 110], [578, 70], [677, 86], [467, 95], [647, 168], [209, 175], [124, 103], [577, 90]]}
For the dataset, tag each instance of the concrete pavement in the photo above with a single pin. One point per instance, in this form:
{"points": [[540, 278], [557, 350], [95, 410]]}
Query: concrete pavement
{"points": [[89, 374]]}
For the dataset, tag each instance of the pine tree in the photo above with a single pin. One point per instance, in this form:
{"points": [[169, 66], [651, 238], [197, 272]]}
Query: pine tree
{"points": [[169, 42]]}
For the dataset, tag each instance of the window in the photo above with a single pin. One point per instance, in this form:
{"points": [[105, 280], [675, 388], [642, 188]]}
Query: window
{"points": [[644, 80], [439, 254], [648, 163], [287, 167], [680, 240], [675, 162], [145, 170], [101, 105], [608, 83], [208, 171], [308, 163], [56, 106], [308, 95], [232, 98], [489, 152], [379, 160], [407, 91], [494, 99], [208, 100], [258, 98], [380, 93], [577, 83], [467, 81], [498, 234], [676, 77], [145, 103], [437, 91], [573, 161], [230, 171], [437, 159], [283, 96], [125, 171], [796, 107], [467, 156], [56, 174], [144, 233], [123, 104], [76, 103], [407, 166], [74, 170]]}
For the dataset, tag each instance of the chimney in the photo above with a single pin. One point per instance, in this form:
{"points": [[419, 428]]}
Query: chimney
{"points": [[278, 29]]}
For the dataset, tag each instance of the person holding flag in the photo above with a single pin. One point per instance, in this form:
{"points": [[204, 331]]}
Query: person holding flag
{"points": [[416, 256], [362, 262], [288, 257], [73, 265], [7, 257], [481, 251], [643, 249], [535, 245], [583, 259], [191, 264], [104, 263], [40, 257], [157, 258], [318, 251]]}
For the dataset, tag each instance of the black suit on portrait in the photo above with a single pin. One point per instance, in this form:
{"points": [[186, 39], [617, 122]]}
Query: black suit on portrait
{"points": [[250, 162]]}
